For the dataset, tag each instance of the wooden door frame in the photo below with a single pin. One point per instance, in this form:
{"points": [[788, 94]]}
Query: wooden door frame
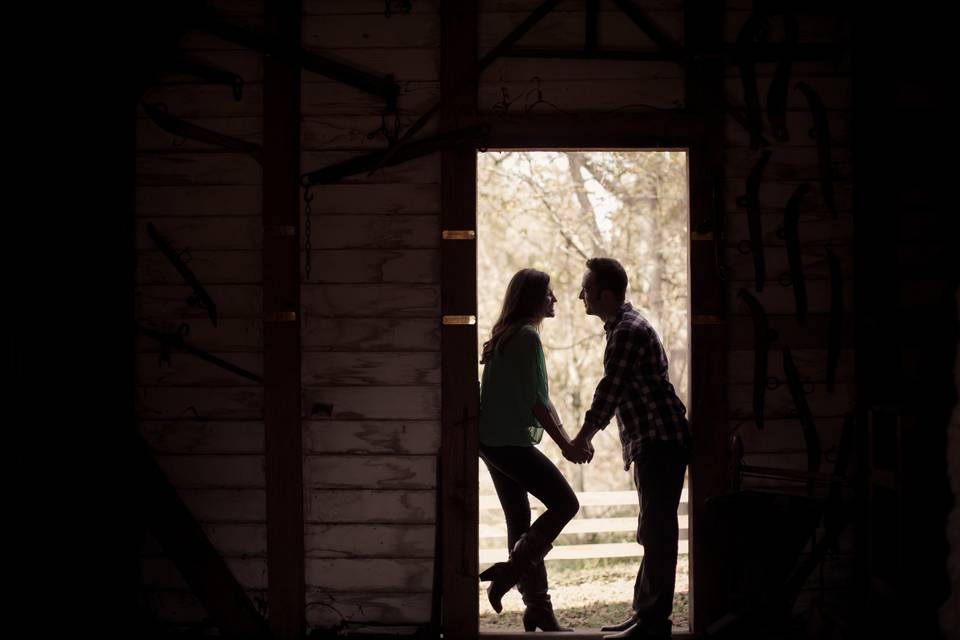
{"points": [[460, 392]]}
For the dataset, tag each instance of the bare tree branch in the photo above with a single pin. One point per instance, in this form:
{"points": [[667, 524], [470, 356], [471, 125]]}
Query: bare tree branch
{"points": [[574, 165]]}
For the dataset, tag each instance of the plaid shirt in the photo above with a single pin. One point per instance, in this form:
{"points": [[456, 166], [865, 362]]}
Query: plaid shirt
{"points": [[636, 388]]}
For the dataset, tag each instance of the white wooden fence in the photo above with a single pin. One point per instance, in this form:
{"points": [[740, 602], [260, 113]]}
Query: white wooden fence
{"points": [[580, 525]]}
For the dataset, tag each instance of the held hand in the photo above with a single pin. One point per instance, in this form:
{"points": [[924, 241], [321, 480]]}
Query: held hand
{"points": [[583, 443], [576, 454]]}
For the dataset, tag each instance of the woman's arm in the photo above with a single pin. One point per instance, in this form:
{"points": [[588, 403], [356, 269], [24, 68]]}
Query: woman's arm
{"points": [[533, 373], [547, 416]]}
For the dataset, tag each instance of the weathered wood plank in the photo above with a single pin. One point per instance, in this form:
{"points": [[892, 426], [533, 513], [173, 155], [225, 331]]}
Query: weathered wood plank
{"points": [[372, 436], [420, 195], [416, 30], [392, 231], [816, 227], [194, 201], [191, 101], [365, 300], [813, 257], [418, 62], [424, 171], [182, 169], [213, 471], [175, 403], [364, 7], [810, 363], [564, 29], [406, 64], [230, 541], [334, 99], [779, 403], [371, 506], [191, 437], [246, 63], [777, 299], [151, 138], [369, 541], [372, 369], [786, 436], [210, 267], [565, 6], [251, 573], [790, 332], [577, 95], [353, 403], [787, 163], [373, 574], [231, 335], [371, 334], [185, 369], [352, 132], [170, 301], [799, 124], [366, 267], [226, 505], [835, 91], [773, 195], [810, 28], [560, 70], [327, 609], [221, 233], [340, 471]]}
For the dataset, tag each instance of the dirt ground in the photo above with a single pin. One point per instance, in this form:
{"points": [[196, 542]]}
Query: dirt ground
{"points": [[586, 597]]}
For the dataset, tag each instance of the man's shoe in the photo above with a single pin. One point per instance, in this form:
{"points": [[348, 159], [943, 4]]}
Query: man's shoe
{"points": [[639, 631], [623, 626]]}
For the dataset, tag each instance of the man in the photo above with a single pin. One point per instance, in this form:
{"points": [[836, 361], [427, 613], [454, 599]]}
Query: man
{"points": [[654, 435]]}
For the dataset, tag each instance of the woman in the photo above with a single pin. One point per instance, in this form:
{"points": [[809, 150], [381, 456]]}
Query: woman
{"points": [[515, 409]]}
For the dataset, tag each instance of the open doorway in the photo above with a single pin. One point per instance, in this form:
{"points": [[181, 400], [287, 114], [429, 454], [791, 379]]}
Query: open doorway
{"points": [[552, 210]]}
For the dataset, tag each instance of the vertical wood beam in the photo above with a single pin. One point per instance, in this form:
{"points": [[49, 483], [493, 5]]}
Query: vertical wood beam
{"points": [[703, 30], [460, 391], [281, 333]]}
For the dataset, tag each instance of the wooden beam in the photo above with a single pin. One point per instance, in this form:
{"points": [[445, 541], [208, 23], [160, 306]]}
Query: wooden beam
{"points": [[462, 85], [281, 332], [703, 30], [187, 546], [279, 49], [662, 129], [766, 52], [459, 392], [648, 26], [590, 34]]}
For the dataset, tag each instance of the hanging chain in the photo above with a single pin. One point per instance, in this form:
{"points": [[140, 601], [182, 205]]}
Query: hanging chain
{"points": [[307, 246]]}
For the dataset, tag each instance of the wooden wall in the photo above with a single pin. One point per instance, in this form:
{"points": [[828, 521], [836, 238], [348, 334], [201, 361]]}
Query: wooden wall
{"points": [[371, 360], [204, 424], [370, 311]]}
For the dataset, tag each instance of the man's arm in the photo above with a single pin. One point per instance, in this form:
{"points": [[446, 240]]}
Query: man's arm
{"points": [[619, 361], [547, 417], [583, 440]]}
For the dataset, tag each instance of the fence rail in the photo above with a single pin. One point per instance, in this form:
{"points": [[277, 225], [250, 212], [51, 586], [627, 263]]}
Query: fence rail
{"points": [[581, 525]]}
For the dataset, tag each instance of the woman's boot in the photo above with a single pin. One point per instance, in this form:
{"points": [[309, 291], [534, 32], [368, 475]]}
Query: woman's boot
{"points": [[503, 576]]}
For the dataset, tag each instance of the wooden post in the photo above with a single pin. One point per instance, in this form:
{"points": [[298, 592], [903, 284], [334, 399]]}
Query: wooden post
{"points": [[281, 333], [460, 391], [703, 29]]}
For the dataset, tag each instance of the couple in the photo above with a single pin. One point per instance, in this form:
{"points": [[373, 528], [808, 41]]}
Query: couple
{"points": [[515, 409]]}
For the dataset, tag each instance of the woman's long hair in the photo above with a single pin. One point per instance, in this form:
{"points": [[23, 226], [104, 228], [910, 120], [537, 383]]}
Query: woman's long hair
{"points": [[523, 303]]}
